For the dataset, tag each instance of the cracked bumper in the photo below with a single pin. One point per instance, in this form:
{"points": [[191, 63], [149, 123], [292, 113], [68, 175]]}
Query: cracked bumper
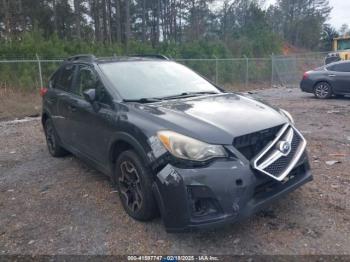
{"points": [[222, 193]]}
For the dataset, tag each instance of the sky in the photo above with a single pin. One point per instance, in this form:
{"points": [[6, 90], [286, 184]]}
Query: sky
{"points": [[339, 15]]}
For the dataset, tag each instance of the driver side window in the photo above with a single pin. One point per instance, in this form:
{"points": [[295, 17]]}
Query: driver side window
{"points": [[87, 79]]}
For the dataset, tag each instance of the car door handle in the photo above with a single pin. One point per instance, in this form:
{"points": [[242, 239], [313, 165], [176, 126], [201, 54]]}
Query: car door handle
{"points": [[331, 75], [72, 108]]}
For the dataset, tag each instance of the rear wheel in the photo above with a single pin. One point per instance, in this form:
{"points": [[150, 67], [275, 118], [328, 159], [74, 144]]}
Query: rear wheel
{"points": [[135, 187], [323, 90], [52, 141]]}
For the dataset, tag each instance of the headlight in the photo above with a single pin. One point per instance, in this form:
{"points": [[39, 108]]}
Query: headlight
{"points": [[288, 115], [188, 148]]}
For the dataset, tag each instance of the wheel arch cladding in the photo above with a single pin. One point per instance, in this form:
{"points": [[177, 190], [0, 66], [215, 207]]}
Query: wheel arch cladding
{"points": [[124, 141], [118, 147]]}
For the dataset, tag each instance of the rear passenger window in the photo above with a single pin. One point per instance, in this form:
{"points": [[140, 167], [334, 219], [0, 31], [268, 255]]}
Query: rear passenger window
{"points": [[346, 67], [65, 78], [53, 79], [343, 67], [331, 68]]}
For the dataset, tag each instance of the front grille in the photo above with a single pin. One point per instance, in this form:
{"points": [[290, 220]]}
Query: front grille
{"points": [[251, 144], [271, 186], [281, 164], [276, 161]]}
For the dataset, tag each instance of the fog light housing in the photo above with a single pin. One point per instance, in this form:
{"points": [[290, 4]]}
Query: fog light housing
{"points": [[202, 201]]}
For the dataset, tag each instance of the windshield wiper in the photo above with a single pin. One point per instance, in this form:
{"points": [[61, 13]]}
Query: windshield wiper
{"points": [[144, 100], [189, 94], [158, 99]]}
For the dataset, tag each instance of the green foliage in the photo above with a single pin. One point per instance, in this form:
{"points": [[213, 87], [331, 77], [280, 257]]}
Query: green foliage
{"points": [[180, 29], [25, 76], [300, 22]]}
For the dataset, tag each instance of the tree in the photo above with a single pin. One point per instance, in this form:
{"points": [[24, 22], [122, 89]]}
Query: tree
{"points": [[243, 25], [301, 20], [127, 24], [344, 30], [328, 34], [77, 16]]}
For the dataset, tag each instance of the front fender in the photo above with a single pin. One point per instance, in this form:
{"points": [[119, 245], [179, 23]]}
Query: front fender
{"points": [[137, 145]]}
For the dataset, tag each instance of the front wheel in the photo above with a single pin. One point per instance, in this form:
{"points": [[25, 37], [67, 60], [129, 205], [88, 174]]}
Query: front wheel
{"points": [[135, 187], [323, 90]]}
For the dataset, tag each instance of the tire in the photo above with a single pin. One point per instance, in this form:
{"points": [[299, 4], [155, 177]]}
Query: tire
{"points": [[135, 187], [52, 140], [323, 90]]}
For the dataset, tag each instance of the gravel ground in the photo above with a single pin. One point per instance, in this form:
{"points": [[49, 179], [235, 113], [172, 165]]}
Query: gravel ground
{"points": [[61, 206]]}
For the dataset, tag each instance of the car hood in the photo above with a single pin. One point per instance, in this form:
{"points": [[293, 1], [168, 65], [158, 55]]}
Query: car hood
{"points": [[216, 118]]}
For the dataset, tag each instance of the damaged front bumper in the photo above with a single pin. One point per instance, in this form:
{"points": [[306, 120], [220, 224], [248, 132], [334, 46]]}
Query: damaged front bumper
{"points": [[223, 192]]}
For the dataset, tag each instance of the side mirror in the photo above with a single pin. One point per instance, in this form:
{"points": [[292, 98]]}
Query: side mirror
{"points": [[90, 95]]}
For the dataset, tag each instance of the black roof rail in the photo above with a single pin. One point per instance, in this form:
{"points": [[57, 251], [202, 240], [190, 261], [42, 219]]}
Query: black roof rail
{"points": [[152, 56], [82, 57]]}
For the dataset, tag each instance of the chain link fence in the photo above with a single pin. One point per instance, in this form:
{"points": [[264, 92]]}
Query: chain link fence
{"points": [[288, 70], [236, 74], [26, 74]]}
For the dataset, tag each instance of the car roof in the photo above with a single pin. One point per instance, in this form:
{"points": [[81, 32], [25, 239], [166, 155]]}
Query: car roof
{"points": [[88, 58]]}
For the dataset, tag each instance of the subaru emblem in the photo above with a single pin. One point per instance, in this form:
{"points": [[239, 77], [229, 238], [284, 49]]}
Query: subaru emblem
{"points": [[284, 147]]}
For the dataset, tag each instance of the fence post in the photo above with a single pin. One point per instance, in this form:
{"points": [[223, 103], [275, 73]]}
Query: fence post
{"points": [[246, 71], [40, 74], [272, 69], [216, 69]]}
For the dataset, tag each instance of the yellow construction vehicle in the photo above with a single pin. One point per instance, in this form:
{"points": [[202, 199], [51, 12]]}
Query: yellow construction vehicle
{"points": [[341, 50]]}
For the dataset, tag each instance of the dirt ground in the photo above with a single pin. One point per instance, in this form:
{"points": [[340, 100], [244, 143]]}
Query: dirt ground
{"points": [[19, 104], [61, 206]]}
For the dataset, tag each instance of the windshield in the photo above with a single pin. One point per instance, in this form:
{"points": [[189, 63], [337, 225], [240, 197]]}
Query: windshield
{"points": [[154, 79]]}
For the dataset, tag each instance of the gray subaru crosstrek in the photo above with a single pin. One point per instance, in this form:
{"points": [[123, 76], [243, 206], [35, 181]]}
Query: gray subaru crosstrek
{"points": [[171, 141]]}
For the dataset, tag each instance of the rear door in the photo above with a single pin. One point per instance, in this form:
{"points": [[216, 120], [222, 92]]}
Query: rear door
{"points": [[340, 77], [51, 99], [63, 121]]}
